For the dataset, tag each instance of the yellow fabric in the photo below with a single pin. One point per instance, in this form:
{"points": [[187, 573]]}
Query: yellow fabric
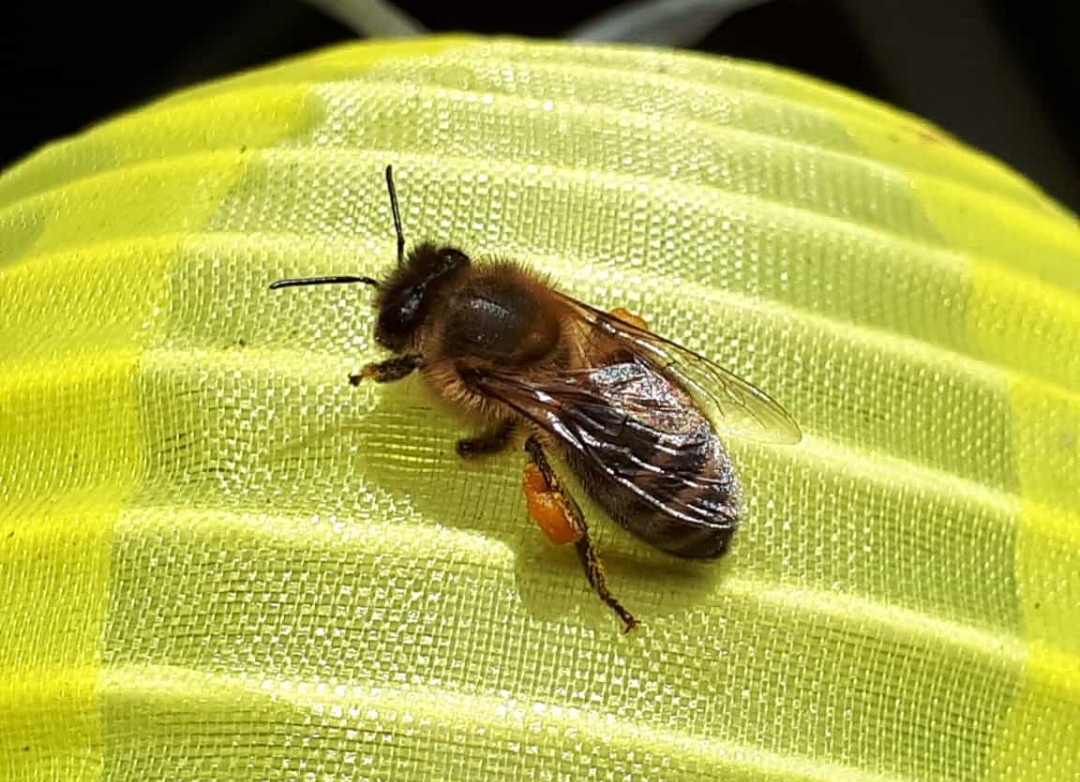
{"points": [[220, 561]]}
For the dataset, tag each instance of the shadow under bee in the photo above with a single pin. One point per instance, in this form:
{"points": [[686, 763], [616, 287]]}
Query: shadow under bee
{"points": [[404, 446]]}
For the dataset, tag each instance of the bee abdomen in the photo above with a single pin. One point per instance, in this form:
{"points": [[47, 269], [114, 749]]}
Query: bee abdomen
{"points": [[684, 502], [684, 540], [713, 510]]}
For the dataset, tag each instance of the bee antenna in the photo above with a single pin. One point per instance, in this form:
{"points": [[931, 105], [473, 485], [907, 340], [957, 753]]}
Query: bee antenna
{"points": [[397, 215], [323, 281]]}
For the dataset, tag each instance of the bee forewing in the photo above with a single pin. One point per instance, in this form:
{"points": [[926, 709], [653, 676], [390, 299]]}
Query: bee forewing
{"points": [[735, 406]]}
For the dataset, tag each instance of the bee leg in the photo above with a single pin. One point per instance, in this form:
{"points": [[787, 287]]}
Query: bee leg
{"points": [[561, 519], [486, 443], [627, 316], [388, 371]]}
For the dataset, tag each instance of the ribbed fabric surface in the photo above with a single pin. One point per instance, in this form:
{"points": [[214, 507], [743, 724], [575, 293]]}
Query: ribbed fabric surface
{"points": [[219, 561]]}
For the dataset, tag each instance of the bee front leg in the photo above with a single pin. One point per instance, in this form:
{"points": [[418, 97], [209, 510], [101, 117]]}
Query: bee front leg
{"points": [[561, 519], [388, 371], [486, 443]]}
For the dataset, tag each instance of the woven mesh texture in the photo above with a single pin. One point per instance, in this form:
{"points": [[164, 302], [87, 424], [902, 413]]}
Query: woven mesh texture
{"points": [[219, 561]]}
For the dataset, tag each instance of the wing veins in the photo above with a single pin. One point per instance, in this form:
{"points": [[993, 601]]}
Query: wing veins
{"points": [[722, 394], [551, 420]]}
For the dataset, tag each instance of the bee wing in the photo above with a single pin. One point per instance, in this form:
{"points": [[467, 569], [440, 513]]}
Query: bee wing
{"points": [[602, 427], [735, 406]]}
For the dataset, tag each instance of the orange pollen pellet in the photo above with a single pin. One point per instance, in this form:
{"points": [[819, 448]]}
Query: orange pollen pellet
{"points": [[627, 316], [548, 510]]}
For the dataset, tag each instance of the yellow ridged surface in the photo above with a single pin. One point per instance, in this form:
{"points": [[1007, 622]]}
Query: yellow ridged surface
{"points": [[228, 563]]}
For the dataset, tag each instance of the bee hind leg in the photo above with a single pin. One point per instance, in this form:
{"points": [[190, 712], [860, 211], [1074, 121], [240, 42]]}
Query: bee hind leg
{"points": [[388, 371], [486, 443], [561, 519]]}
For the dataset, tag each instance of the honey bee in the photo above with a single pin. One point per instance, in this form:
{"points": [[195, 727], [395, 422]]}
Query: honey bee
{"points": [[635, 417]]}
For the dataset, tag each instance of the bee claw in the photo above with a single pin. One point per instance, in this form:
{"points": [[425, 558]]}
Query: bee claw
{"points": [[388, 371]]}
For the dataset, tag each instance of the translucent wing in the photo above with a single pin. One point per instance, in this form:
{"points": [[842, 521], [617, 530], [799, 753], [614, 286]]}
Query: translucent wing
{"points": [[649, 447], [735, 406]]}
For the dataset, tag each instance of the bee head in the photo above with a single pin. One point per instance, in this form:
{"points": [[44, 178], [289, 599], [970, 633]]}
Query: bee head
{"points": [[405, 300]]}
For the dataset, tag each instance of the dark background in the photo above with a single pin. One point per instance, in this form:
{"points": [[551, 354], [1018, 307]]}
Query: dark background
{"points": [[1004, 75]]}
